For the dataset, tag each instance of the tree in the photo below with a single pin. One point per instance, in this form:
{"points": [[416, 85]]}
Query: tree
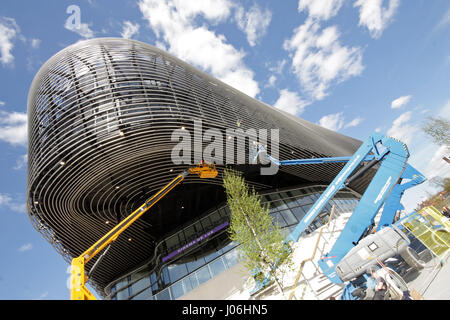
{"points": [[261, 241], [438, 129]]}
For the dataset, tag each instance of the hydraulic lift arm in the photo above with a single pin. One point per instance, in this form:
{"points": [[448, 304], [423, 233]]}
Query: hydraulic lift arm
{"points": [[78, 289], [392, 156]]}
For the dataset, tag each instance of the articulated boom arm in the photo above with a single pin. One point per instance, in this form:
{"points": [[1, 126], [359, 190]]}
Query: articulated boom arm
{"points": [[78, 290], [393, 204], [392, 156]]}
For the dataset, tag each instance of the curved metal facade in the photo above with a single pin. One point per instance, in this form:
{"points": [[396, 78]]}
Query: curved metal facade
{"points": [[101, 114]]}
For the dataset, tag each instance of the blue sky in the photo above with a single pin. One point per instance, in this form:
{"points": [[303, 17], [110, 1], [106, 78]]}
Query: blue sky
{"points": [[354, 66]]}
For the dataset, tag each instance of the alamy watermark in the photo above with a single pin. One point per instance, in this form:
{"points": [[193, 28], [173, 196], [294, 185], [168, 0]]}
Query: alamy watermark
{"points": [[73, 22], [232, 146]]}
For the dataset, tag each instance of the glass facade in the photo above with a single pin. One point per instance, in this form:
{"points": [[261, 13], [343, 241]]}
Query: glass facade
{"points": [[202, 250]]}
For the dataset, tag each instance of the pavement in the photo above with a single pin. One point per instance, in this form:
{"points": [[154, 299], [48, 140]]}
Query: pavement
{"points": [[433, 281]]}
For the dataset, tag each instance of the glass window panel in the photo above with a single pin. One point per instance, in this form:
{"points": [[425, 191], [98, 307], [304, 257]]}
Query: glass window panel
{"points": [[306, 208], [122, 294], [278, 205], [278, 219], [177, 290], [217, 267], [165, 276], [121, 283], [211, 256], [304, 200], [273, 196], [229, 246], [198, 228], [195, 264], [190, 234], [141, 284], [163, 295], [298, 213], [215, 218], [188, 284], [182, 239], [206, 223], [288, 217], [192, 280], [224, 213], [232, 257], [203, 275], [130, 289], [314, 196], [144, 295], [153, 280], [172, 242], [295, 192], [339, 206], [291, 202], [177, 271]]}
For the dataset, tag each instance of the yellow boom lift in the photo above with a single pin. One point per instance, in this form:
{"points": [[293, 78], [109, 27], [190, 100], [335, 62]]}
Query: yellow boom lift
{"points": [[78, 277]]}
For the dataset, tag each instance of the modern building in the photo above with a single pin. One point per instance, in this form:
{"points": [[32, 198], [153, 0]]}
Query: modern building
{"points": [[101, 117]]}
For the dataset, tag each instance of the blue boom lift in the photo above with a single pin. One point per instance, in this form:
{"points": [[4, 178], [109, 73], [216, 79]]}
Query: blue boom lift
{"points": [[386, 188]]}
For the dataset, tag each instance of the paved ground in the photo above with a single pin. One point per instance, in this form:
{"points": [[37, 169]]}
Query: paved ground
{"points": [[433, 281]]}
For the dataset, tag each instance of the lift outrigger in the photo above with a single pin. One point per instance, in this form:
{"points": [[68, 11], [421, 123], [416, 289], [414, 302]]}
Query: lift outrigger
{"points": [[78, 289]]}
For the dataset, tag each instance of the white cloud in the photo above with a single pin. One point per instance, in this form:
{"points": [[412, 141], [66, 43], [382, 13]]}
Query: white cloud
{"points": [[438, 167], [13, 127], [400, 102], [271, 81], [290, 102], [333, 121], [35, 43], [374, 16], [278, 67], [26, 247], [319, 60], [175, 22], [336, 121], [320, 9], [401, 129], [2, 103], [355, 122], [445, 20], [129, 29], [253, 22], [7, 201], [21, 162], [9, 30], [4, 199]]}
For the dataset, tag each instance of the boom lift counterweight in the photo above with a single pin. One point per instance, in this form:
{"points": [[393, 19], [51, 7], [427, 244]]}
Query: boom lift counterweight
{"points": [[78, 289]]}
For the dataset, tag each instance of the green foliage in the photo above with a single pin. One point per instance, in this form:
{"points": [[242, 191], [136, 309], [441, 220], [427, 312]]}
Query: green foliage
{"points": [[261, 241], [440, 199], [438, 129]]}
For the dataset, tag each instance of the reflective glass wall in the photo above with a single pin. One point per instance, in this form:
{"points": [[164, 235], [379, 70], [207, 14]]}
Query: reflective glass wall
{"points": [[200, 251]]}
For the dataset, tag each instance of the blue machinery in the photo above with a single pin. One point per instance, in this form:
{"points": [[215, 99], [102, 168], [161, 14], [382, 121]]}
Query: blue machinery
{"points": [[385, 188]]}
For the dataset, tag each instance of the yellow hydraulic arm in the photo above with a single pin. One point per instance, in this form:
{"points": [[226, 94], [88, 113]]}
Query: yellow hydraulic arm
{"points": [[78, 277]]}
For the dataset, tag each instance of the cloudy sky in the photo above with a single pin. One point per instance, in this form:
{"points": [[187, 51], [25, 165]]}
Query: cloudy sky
{"points": [[353, 66]]}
